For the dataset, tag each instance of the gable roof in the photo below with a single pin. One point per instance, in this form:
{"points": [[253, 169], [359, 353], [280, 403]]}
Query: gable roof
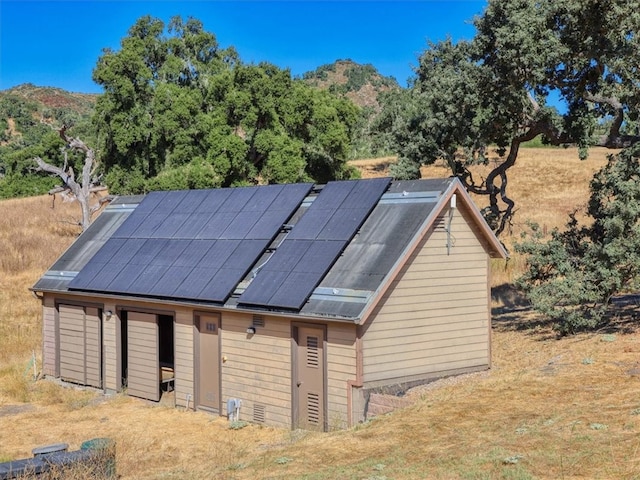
{"points": [[327, 251]]}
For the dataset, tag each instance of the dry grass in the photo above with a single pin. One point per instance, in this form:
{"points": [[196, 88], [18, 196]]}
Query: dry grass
{"points": [[548, 409], [32, 236]]}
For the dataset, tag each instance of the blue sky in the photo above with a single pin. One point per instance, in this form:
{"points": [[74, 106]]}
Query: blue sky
{"points": [[57, 43]]}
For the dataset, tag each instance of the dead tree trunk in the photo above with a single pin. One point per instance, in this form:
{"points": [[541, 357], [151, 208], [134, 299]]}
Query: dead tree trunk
{"points": [[82, 189]]}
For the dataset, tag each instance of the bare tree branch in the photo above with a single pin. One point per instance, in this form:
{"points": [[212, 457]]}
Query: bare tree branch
{"points": [[79, 191]]}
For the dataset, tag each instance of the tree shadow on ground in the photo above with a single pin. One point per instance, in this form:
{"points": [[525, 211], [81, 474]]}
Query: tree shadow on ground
{"points": [[513, 312]]}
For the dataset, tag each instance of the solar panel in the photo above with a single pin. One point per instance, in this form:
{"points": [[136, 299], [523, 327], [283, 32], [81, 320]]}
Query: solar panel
{"points": [[172, 226], [212, 201], [125, 278], [150, 202], [191, 244], [148, 226], [191, 201], [298, 265], [294, 291], [342, 224], [241, 225], [145, 281], [108, 250], [193, 225]]}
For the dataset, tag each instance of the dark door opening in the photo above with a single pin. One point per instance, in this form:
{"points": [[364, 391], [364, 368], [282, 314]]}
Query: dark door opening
{"points": [[165, 352], [123, 349]]}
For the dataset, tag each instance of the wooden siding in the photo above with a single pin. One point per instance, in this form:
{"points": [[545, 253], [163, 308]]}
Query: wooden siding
{"points": [[257, 369], [72, 343], [435, 316], [341, 368], [143, 376], [184, 358], [49, 342]]}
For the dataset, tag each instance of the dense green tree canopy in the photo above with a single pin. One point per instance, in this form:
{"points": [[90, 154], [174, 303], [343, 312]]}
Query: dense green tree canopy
{"points": [[561, 70], [180, 112]]}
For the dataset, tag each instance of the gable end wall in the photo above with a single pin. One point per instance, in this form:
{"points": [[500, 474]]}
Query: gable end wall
{"points": [[434, 320]]}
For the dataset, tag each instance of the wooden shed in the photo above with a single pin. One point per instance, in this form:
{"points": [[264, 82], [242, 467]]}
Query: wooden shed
{"points": [[296, 302]]}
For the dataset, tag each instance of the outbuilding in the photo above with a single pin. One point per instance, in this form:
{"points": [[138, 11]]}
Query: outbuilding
{"points": [[295, 302]]}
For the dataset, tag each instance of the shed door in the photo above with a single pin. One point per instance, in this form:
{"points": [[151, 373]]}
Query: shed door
{"points": [[143, 359], [208, 368], [80, 344], [309, 378], [93, 346]]}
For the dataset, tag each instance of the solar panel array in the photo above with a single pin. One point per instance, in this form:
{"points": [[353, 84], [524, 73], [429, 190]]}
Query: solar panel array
{"points": [[298, 265], [195, 244]]}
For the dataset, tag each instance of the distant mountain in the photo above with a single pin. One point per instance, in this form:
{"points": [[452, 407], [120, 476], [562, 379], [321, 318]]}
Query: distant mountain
{"points": [[360, 83], [27, 110], [55, 98]]}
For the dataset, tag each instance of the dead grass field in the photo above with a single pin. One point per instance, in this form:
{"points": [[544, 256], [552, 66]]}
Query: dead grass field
{"points": [[548, 409]]}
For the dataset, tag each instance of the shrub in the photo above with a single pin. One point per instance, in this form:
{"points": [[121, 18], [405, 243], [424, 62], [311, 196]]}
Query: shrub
{"points": [[572, 276]]}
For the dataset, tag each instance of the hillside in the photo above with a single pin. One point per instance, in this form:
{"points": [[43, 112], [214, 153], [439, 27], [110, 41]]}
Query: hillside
{"points": [[362, 84], [26, 109], [548, 409]]}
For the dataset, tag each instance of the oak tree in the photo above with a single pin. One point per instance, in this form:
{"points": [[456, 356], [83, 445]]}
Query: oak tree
{"points": [[564, 71], [179, 111]]}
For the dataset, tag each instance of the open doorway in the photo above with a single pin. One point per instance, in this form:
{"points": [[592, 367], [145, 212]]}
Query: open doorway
{"points": [[147, 354], [165, 352]]}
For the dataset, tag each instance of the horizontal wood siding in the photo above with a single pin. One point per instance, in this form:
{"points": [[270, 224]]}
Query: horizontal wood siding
{"points": [[341, 367], [72, 348], [435, 316], [143, 376], [49, 342], [184, 357], [257, 369]]}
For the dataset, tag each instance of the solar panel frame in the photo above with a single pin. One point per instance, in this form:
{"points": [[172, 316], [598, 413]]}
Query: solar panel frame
{"points": [[192, 227], [293, 291], [172, 225], [221, 285], [194, 253], [108, 250], [309, 227], [167, 284], [241, 225], [191, 201], [217, 224], [147, 253], [105, 276], [342, 224], [152, 222], [263, 287], [129, 249], [150, 202], [193, 245], [213, 201], [147, 279], [125, 278], [329, 223]]}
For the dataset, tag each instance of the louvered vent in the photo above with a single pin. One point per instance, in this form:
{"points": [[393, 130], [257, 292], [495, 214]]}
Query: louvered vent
{"points": [[312, 352], [258, 321], [313, 408], [258, 413], [439, 224]]}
